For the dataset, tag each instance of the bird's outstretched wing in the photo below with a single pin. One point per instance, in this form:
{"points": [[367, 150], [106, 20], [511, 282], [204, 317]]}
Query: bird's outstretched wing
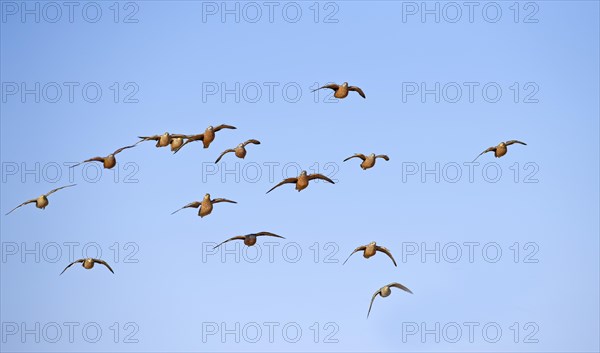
{"points": [[372, 299], [285, 181], [356, 155], [71, 264], [123, 148], [23, 204], [357, 89], [320, 176], [62, 187], [332, 86], [239, 237], [102, 262], [387, 252], [491, 149], [508, 143], [360, 248], [224, 153], [194, 204], [95, 159], [383, 156], [253, 141], [221, 200], [223, 126], [149, 138], [398, 285], [268, 234]]}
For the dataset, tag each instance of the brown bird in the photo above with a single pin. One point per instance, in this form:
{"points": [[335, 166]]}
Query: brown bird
{"points": [[249, 239], [385, 291], [175, 140], [42, 201], [302, 180], [206, 205], [88, 264], [370, 250], [207, 137], [501, 149], [109, 161], [368, 161], [342, 91], [240, 150]]}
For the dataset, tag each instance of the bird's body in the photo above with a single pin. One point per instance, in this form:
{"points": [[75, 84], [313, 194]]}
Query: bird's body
{"points": [[368, 161], [501, 149], [41, 202], [176, 143], [164, 140], [88, 264], [206, 206], [370, 250], [385, 291], [341, 91], [110, 161], [302, 181]]}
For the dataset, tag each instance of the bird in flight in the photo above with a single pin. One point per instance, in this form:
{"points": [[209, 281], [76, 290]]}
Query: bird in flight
{"points": [[42, 201], [166, 139], [249, 239], [240, 150], [342, 91], [109, 161], [385, 291], [302, 180], [88, 264], [501, 149], [206, 205], [370, 250], [368, 161], [206, 137]]}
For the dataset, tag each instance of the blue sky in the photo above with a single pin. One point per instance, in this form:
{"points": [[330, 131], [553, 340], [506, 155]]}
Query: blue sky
{"points": [[156, 65]]}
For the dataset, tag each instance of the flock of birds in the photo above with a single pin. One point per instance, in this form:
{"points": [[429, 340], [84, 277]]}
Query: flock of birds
{"points": [[178, 141]]}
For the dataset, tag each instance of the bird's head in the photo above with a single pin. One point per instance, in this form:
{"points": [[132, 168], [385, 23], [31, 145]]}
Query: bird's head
{"points": [[207, 197], [210, 128], [372, 155], [240, 145], [372, 243], [303, 173], [345, 84]]}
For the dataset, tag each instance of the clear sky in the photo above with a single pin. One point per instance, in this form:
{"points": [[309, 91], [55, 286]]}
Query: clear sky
{"points": [[501, 257]]}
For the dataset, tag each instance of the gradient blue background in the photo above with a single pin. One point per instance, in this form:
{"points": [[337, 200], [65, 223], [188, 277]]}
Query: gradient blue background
{"points": [[171, 291]]}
